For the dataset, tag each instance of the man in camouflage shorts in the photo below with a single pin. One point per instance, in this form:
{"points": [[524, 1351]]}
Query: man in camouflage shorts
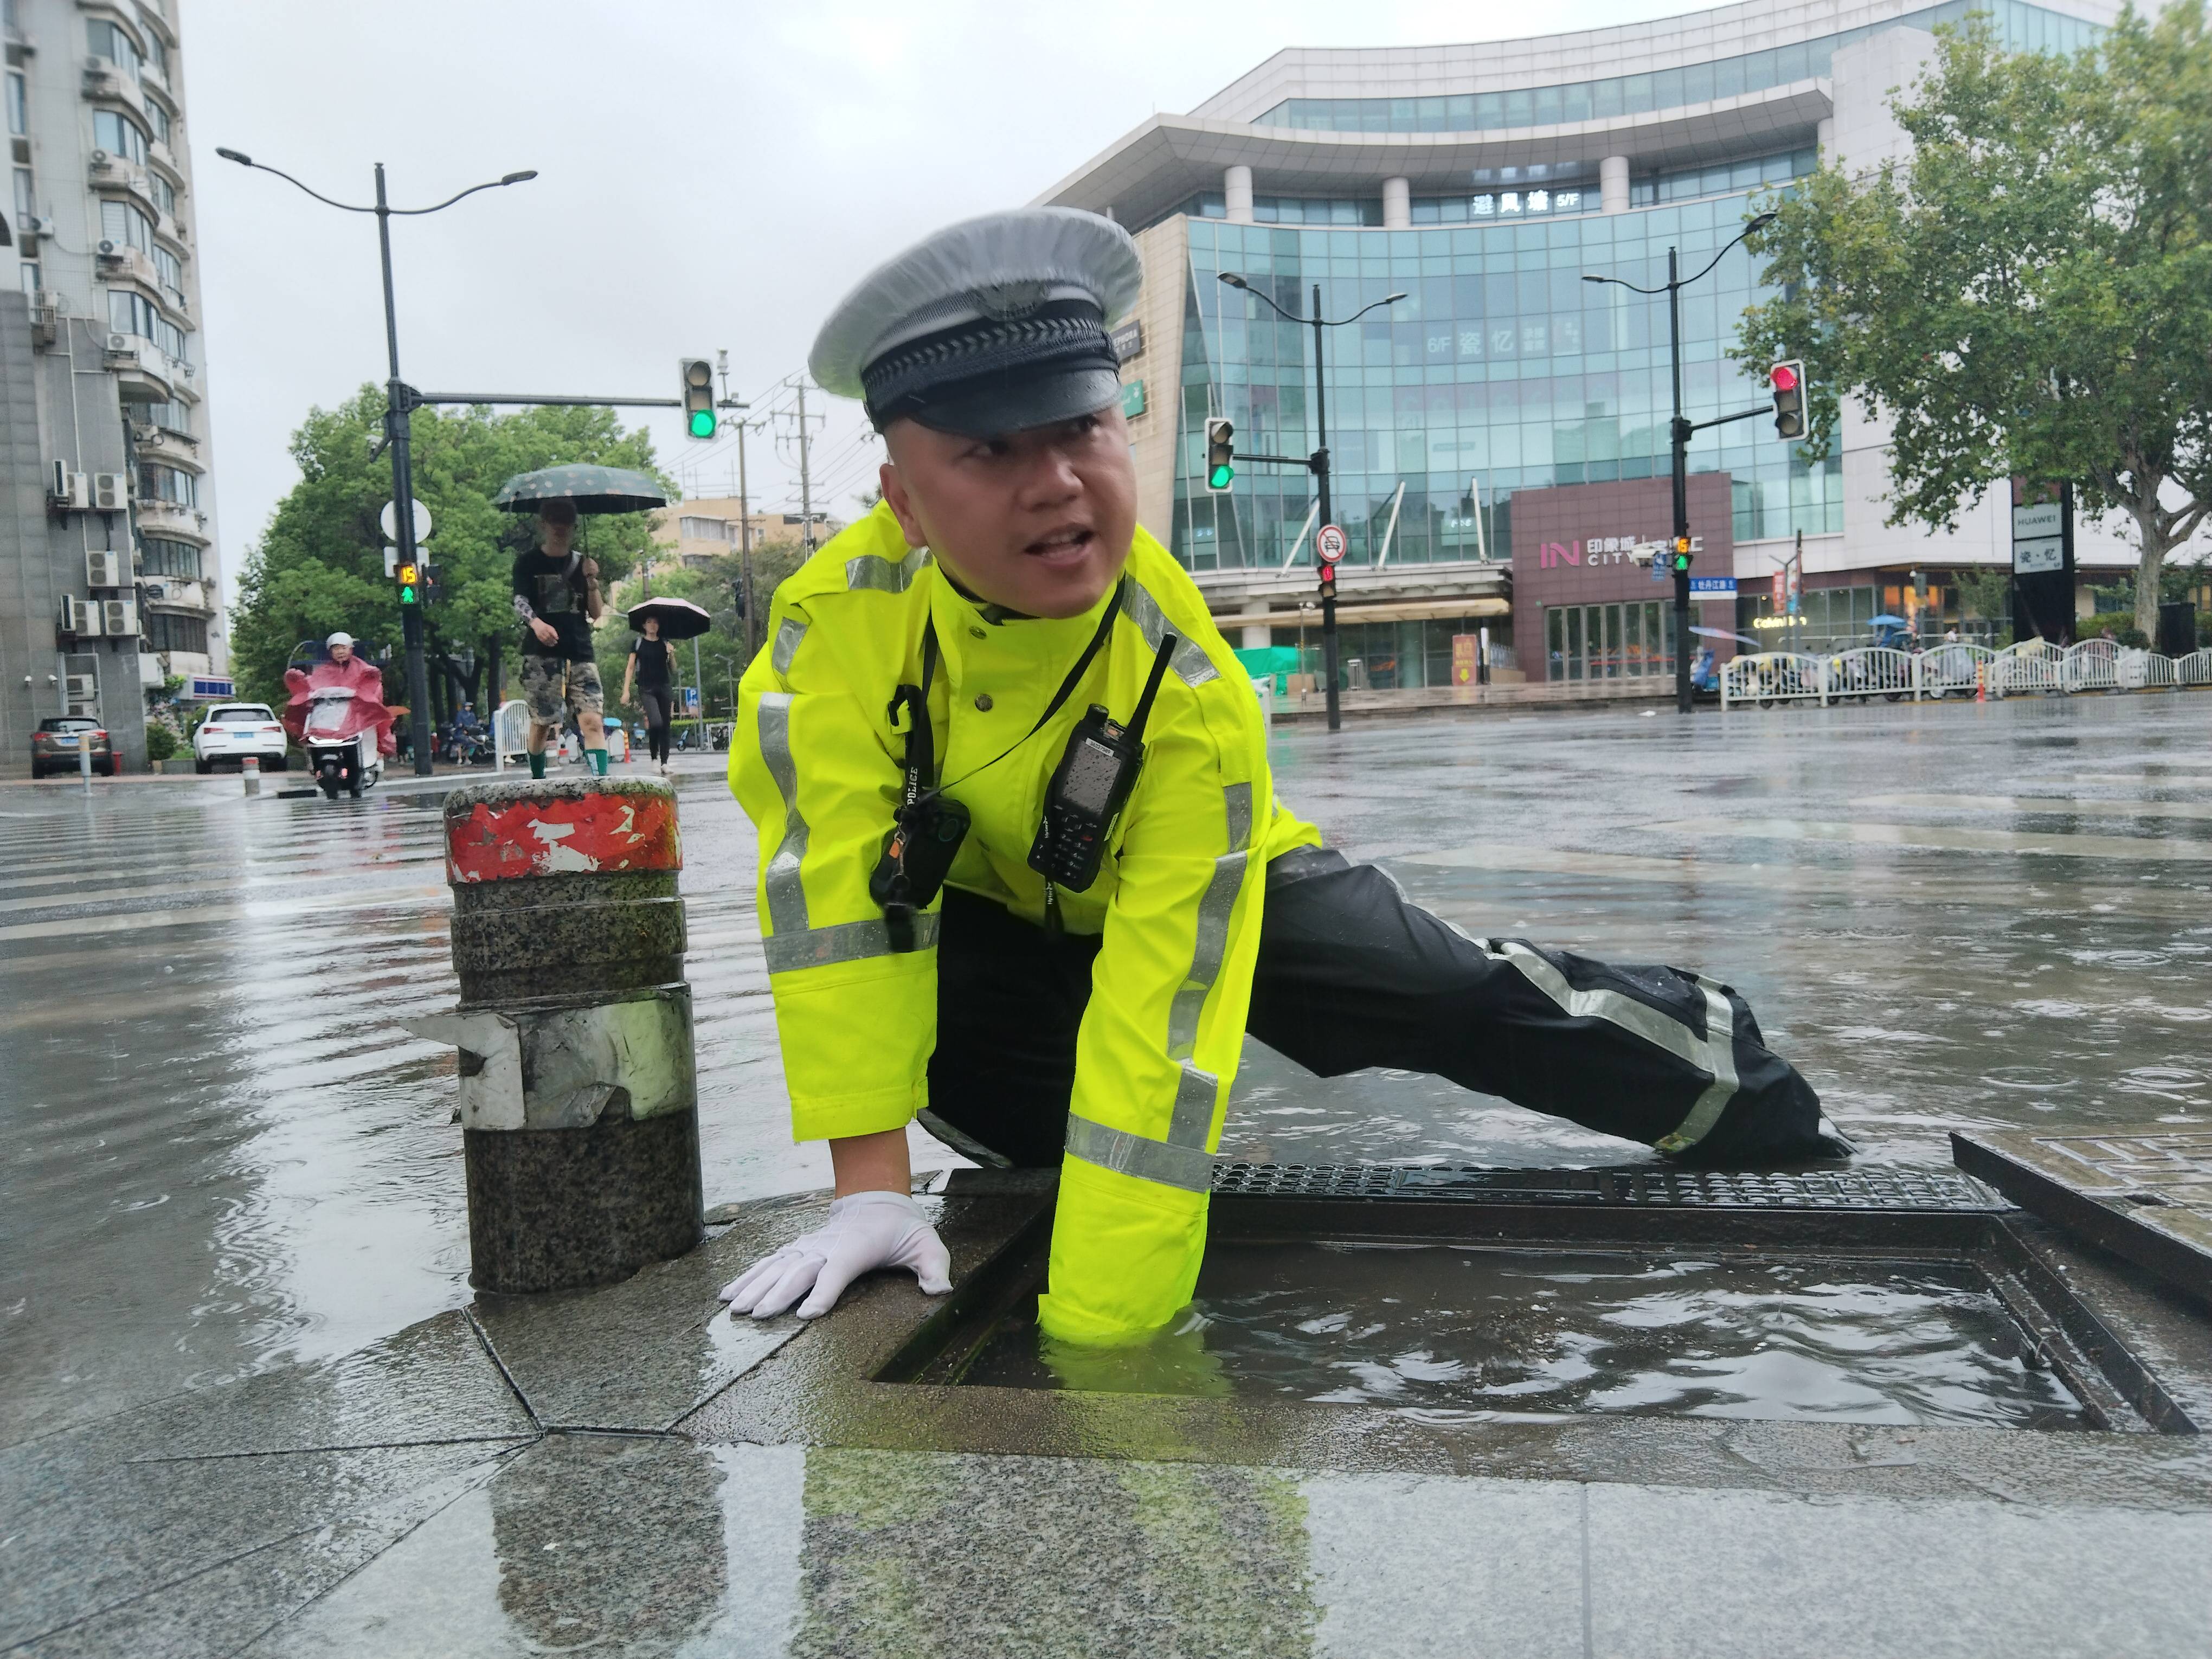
{"points": [[557, 597]]}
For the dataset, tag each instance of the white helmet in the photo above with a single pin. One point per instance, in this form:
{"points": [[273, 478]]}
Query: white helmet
{"points": [[339, 638]]}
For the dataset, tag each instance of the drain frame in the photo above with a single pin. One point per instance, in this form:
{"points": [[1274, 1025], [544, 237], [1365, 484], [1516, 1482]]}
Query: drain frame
{"points": [[2114, 1360]]}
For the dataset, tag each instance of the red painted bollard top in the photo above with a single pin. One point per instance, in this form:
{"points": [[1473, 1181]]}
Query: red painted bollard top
{"points": [[501, 832]]}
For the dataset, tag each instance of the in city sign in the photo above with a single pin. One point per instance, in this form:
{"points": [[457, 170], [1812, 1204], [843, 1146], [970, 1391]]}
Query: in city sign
{"points": [[1329, 544]]}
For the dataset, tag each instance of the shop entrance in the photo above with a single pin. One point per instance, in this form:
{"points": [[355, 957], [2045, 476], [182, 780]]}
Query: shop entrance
{"points": [[1633, 640]]}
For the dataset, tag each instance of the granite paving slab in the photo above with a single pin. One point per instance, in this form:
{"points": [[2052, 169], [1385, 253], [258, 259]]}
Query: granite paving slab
{"points": [[601, 1543], [640, 1355], [1717, 1575], [102, 1557]]}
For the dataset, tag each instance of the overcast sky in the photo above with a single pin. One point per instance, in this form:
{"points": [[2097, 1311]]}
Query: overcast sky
{"points": [[710, 176]]}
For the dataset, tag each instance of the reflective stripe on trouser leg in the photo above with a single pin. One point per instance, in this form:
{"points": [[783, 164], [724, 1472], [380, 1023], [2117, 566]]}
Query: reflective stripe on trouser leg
{"points": [[1714, 1053]]}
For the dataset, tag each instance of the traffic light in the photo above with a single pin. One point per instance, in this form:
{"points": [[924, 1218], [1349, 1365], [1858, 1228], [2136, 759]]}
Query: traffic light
{"points": [[1328, 582], [1679, 559], [410, 584], [1220, 454], [700, 419], [1788, 380]]}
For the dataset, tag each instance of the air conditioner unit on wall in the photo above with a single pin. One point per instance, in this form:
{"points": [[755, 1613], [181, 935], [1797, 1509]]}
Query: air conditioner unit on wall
{"points": [[119, 618], [69, 491], [111, 492], [108, 250], [104, 570], [120, 345], [79, 616], [82, 688]]}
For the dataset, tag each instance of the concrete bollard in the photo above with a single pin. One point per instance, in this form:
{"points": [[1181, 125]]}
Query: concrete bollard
{"points": [[250, 771], [580, 1113]]}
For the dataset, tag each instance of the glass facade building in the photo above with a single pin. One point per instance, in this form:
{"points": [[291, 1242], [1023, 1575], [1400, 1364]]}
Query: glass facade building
{"points": [[1499, 431], [1500, 370]]}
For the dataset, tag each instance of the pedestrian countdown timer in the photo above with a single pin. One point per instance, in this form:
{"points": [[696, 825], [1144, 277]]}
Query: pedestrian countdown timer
{"points": [[410, 584]]}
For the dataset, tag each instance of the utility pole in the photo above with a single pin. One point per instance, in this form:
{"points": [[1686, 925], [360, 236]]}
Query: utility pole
{"points": [[745, 515], [805, 478]]}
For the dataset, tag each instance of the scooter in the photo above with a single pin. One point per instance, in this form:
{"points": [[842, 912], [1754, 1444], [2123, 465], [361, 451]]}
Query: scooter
{"points": [[339, 758]]}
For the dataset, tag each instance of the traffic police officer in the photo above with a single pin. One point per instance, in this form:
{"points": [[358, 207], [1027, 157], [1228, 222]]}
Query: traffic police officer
{"points": [[959, 687]]}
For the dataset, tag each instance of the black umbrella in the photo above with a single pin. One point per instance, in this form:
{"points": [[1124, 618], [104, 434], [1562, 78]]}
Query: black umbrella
{"points": [[586, 489], [679, 619]]}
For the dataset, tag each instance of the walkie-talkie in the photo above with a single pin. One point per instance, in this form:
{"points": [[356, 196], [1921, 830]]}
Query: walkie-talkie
{"points": [[1096, 773]]}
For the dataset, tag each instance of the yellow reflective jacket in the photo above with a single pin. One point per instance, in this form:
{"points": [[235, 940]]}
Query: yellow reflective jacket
{"points": [[817, 766]]}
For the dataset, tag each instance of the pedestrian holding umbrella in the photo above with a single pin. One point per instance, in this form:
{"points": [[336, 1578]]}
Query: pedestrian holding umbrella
{"points": [[648, 685], [556, 598]]}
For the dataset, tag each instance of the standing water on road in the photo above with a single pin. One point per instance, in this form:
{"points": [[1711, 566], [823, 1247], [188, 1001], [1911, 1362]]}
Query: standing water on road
{"points": [[223, 1152], [1513, 1334]]}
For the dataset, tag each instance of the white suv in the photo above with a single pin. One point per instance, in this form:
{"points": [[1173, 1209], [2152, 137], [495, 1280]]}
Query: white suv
{"points": [[233, 730]]}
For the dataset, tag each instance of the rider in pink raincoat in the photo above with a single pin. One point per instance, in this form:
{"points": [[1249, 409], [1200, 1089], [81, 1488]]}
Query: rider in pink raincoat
{"points": [[342, 668]]}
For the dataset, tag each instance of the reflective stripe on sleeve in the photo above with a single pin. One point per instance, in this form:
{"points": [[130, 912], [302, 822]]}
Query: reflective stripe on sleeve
{"points": [[1214, 908], [1714, 1053], [786, 897], [1190, 1167], [787, 637], [1191, 664], [866, 570], [848, 941]]}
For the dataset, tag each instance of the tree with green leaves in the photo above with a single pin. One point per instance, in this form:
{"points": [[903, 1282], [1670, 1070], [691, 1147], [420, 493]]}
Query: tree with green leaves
{"points": [[318, 565], [2030, 294]]}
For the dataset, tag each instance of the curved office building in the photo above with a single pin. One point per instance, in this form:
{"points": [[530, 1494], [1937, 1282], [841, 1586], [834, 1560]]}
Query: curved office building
{"points": [[1505, 415]]}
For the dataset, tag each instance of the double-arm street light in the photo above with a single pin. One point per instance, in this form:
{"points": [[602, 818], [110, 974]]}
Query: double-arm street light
{"points": [[1678, 432], [399, 406], [1317, 464]]}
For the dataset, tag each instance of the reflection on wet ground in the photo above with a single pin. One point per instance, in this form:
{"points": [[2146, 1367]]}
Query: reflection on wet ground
{"points": [[223, 1152], [1511, 1334]]}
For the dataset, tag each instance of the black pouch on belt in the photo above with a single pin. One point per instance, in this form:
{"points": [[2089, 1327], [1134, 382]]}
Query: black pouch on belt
{"points": [[926, 836]]}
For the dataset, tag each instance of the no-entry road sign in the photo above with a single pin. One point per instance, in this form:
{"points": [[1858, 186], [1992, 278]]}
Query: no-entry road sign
{"points": [[1329, 544]]}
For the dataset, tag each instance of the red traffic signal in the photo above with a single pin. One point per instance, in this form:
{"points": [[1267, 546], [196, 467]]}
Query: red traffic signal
{"points": [[1787, 381]]}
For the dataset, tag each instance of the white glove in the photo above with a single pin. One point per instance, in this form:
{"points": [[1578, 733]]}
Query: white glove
{"points": [[866, 1230]]}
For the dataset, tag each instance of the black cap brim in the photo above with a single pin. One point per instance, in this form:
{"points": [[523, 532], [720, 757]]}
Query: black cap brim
{"points": [[991, 406]]}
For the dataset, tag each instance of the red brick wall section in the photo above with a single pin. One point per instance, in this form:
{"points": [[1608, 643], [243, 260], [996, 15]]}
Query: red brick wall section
{"points": [[1564, 552]]}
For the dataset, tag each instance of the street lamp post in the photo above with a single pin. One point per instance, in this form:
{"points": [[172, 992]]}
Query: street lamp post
{"points": [[1316, 463], [1679, 431], [399, 404]]}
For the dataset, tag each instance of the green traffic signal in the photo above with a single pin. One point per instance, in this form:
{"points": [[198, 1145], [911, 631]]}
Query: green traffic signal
{"points": [[1220, 454], [703, 423]]}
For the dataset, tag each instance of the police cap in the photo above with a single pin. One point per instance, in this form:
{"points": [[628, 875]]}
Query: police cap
{"points": [[991, 325]]}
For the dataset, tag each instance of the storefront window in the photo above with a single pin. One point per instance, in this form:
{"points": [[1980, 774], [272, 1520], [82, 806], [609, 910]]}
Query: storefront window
{"points": [[1631, 641]]}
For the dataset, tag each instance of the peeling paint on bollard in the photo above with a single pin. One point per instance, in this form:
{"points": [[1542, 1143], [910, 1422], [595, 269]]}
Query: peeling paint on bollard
{"points": [[600, 834], [578, 1093]]}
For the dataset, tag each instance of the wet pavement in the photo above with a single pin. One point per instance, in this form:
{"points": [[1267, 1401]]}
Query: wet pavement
{"points": [[225, 1157]]}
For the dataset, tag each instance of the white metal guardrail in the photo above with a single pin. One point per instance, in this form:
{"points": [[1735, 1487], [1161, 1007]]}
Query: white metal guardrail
{"points": [[2032, 668]]}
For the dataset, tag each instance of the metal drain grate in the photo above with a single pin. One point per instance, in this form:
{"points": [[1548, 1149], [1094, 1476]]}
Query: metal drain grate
{"points": [[1891, 1190]]}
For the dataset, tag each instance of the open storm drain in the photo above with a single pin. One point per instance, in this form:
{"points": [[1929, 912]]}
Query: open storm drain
{"points": [[1893, 1297]]}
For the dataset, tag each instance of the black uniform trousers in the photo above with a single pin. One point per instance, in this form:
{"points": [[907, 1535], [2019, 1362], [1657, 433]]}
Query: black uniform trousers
{"points": [[1351, 974]]}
